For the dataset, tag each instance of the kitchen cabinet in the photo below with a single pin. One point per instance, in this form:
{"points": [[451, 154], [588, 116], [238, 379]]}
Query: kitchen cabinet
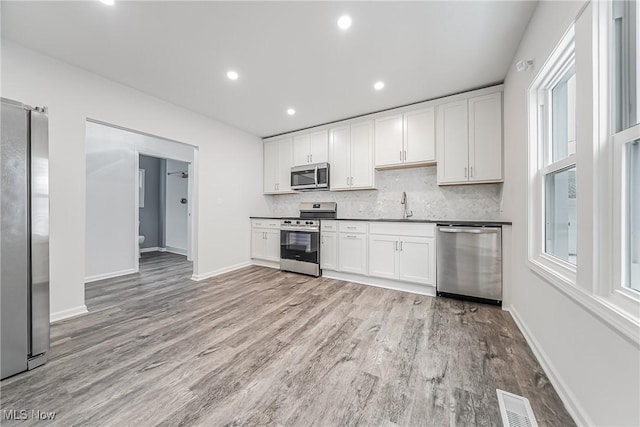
{"points": [[352, 253], [265, 240], [311, 148], [403, 252], [469, 140], [351, 156], [328, 251], [405, 139], [277, 166]]}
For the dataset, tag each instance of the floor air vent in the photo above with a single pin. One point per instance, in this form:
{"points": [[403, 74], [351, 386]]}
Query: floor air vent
{"points": [[515, 410]]}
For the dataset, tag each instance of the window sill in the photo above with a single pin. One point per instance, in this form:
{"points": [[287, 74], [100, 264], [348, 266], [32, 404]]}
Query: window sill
{"points": [[621, 321]]}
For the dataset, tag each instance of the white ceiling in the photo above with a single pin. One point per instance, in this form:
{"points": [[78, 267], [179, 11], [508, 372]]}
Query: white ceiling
{"points": [[288, 54]]}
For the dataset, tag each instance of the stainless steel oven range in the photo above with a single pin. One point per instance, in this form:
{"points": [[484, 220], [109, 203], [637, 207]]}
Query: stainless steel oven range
{"points": [[300, 238]]}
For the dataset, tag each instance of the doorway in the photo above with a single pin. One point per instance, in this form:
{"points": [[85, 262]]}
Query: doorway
{"points": [[163, 205], [114, 183]]}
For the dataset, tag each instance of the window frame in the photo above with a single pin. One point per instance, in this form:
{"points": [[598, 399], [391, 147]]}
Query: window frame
{"points": [[541, 163]]}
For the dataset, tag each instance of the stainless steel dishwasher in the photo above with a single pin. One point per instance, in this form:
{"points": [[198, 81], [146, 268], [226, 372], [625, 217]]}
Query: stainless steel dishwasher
{"points": [[469, 262]]}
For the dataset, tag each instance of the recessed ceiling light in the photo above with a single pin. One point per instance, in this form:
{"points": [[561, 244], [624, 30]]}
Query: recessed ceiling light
{"points": [[291, 111], [108, 2], [344, 22], [378, 85], [232, 75]]}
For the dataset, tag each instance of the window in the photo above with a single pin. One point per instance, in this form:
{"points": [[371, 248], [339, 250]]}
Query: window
{"points": [[633, 212], [625, 134], [560, 171], [553, 166]]}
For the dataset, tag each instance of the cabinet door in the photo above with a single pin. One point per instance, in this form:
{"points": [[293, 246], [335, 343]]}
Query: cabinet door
{"points": [[420, 136], [453, 143], [339, 158], [284, 165], [258, 243], [319, 147], [383, 256], [272, 245], [328, 251], [352, 253], [301, 154], [388, 141], [485, 138], [362, 155], [417, 260], [270, 166]]}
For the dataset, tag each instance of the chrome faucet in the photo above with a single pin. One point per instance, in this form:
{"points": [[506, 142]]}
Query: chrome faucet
{"points": [[405, 213]]}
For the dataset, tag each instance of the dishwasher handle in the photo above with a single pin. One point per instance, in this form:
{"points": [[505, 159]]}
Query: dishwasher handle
{"points": [[468, 230]]}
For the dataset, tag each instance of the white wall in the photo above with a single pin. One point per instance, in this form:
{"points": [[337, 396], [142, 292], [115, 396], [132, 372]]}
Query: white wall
{"points": [[595, 369], [176, 213], [111, 172], [230, 164]]}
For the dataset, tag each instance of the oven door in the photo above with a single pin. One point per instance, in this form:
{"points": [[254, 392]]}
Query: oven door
{"points": [[300, 245]]}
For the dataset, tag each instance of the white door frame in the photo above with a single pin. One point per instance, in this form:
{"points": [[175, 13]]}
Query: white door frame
{"points": [[191, 202]]}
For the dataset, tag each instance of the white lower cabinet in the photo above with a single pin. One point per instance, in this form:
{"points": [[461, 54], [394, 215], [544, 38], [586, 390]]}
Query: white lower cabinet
{"points": [[410, 259], [329, 251], [352, 253], [417, 260], [265, 240], [383, 256]]}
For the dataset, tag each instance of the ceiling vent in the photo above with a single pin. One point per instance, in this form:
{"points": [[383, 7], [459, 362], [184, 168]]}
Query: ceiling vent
{"points": [[515, 410]]}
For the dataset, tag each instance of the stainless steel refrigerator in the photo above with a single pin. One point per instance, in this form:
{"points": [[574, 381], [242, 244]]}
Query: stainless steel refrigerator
{"points": [[24, 250]]}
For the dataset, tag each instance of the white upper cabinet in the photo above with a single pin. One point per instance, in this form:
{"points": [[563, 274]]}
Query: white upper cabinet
{"points": [[351, 156], [362, 155], [311, 148], [420, 136], [469, 140], [406, 139], [277, 166], [340, 158], [388, 141], [485, 138], [453, 143]]}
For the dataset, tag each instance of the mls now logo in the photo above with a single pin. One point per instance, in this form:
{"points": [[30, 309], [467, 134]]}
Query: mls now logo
{"points": [[23, 414]]}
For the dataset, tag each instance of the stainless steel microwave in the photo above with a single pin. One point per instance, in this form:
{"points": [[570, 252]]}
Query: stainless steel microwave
{"points": [[310, 177]]}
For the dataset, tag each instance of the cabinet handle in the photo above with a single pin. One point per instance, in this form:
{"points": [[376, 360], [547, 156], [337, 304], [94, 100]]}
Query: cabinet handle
{"points": [[351, 180], [400, 155], [471, 171], [351, 237], [351, 228], [396, 245], [400, 245], [465, 172], [404, 156], [310, 158]]}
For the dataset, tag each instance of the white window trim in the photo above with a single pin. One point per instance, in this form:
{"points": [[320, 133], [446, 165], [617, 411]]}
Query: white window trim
{"points": [[555, 270], [596, 300]]}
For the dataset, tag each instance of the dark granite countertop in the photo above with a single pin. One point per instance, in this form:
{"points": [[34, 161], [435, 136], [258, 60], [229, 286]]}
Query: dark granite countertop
{"points": [[485, 223]]}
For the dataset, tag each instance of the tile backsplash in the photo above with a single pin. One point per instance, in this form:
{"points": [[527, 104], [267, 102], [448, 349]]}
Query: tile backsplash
{"points": [[426, 198]]}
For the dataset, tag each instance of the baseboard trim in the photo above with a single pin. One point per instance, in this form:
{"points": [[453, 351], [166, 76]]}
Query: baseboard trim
{"points": [[175, 250], [564, 392], [413, 288], [97, 277], [268, 264], [155, 249], [66, 314], [199, 277]]}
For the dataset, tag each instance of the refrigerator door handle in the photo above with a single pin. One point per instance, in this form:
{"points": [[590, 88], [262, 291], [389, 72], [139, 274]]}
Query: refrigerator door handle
{"points": [[39, 230]]}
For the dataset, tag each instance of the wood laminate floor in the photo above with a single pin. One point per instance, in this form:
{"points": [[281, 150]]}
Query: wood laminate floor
{"points": [[262, 347]]}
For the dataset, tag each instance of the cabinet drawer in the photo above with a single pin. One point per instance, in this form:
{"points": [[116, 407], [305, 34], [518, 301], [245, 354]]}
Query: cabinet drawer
{"points": [[403, 229], [265, 223], [329, 225], [352, 227]]}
